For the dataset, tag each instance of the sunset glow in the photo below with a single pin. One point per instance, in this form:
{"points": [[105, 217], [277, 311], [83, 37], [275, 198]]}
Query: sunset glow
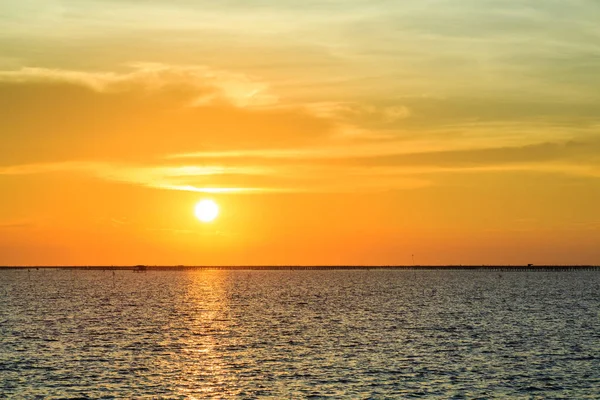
{"points": [[354, 132]]}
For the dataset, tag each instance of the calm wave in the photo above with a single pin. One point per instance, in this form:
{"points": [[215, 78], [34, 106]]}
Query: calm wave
{"points": [[298, 334]]}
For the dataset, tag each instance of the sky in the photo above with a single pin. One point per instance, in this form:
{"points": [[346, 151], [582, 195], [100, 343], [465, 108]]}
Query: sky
{"points": [[329, 132]]}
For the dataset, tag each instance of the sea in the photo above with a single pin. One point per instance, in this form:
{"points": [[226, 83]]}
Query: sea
{"points": [[299, 334]]}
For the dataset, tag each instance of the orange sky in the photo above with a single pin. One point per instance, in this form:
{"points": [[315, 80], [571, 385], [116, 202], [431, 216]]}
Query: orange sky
{"points": [[355, 132]]}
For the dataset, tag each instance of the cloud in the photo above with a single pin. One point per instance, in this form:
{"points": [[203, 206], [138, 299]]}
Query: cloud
{"points": [[203, 84], [318, 170], [573, 152], [221, 179], [16, 225], [153, 110], [193, 128], [331, 50], [162, 177], [346, 110], [390, 153], [119, 222]]}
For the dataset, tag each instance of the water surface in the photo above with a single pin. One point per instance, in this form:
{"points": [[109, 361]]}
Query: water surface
{"points": [[299, 334]]}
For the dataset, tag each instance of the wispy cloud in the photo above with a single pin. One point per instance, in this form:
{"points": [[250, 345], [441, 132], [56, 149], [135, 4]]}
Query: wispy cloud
{"points": [[345, 111], [16, 224], [295, 95], [162, 177], [215, 180], [210, 84], [151, 111], [320, 169]]}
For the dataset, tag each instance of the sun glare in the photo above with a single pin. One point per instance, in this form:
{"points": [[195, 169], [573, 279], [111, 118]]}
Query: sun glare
{"points": [[206, 210]]}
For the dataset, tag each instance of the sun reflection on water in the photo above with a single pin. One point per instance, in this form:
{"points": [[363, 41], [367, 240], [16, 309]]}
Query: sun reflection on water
{"points": [[203, 308]]}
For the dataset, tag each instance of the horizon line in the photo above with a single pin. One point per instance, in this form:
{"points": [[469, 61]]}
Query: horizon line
{"points": [[309, 266]]}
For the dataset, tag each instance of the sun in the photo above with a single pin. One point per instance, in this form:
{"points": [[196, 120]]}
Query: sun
{"points": [[206, 210]]}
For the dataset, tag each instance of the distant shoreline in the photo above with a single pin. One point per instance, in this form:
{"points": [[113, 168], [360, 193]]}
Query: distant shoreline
{"points": [[320, 267]]}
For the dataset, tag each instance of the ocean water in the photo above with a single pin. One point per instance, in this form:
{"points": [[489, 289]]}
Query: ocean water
{"points": [[352, 334]]}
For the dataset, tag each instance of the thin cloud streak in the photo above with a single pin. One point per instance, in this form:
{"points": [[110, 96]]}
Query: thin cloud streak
{"points": [[154, 177], [238, 89], [306, 172], [17, 225]]}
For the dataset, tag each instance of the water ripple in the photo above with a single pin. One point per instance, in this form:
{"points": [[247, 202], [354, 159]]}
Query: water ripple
{"points": [[299, 334]]}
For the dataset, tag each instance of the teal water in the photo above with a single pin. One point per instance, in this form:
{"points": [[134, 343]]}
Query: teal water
{"points": [[299, 334]]}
